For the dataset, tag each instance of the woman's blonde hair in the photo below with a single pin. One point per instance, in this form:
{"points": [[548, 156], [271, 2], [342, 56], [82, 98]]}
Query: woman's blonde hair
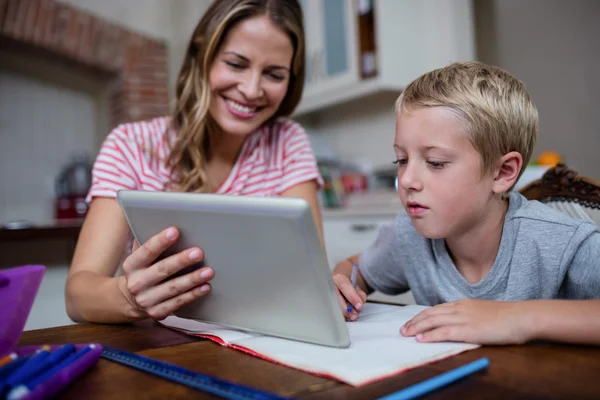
{"points": [[498, 113], [192, 122]]}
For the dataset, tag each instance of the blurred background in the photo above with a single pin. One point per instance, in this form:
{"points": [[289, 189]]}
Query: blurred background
{"points": [[71, 70]]}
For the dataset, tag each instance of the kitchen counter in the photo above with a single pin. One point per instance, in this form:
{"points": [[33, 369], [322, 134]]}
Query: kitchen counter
{"points": [[60, 229], [367, 211], [382, 202]]}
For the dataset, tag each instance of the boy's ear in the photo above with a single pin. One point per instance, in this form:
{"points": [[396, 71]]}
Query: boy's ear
{"points": [[509, 167]]}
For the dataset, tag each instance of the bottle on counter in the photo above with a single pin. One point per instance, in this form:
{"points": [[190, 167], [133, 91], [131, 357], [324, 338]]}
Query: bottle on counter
{"points": [[366, 38]]}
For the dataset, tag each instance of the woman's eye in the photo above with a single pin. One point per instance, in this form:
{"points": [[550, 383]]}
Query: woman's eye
{"points": [[234, 65], [401, 161], [437, 164], [275, 76]]}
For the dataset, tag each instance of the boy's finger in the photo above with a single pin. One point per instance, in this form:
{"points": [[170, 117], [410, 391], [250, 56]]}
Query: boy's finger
{"points": [[351, 294], [343, 304], [363, 295]]}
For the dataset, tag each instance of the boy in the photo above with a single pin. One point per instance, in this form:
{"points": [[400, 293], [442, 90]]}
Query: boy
{"points": [[489, 261]]}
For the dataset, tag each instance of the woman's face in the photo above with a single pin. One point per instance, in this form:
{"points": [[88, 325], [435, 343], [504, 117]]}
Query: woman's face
{"points": [[250, 75]]}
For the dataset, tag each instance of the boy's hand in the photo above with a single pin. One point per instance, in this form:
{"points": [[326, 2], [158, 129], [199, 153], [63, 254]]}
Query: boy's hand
{"points": [[348, 293], [472, 321]]}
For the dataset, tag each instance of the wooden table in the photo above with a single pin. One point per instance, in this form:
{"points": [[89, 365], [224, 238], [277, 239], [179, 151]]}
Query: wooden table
{"points": [[540, 371]]}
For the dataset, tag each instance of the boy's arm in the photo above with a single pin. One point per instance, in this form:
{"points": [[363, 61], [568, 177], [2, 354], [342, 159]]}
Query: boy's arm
{"points": [[576, 320], [508, 322], [572, 321]]}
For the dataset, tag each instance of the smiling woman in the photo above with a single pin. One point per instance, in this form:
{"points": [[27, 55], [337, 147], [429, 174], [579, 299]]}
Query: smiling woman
{"points": [[242, 76], [249, 83]]}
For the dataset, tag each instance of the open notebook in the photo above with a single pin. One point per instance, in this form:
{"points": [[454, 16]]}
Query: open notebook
{"points": [[377, 349]]}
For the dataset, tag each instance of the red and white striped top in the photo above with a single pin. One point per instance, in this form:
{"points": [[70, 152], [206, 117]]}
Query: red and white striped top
{"points": [[272, 160]]}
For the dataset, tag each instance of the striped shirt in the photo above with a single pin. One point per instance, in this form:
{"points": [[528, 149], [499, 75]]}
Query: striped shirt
{"points": [[272, 159]]}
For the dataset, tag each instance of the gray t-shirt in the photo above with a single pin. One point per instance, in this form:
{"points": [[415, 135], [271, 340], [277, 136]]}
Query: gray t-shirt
{"points": [[543, 254]]}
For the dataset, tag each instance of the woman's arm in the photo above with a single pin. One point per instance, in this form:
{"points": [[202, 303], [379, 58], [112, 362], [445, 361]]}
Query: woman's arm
{"points": [[308, 191], [146, 289], [92, 292]]}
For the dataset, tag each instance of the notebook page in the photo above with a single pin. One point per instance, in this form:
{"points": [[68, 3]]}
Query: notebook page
{"points": [[377, 350], [194, 327]]}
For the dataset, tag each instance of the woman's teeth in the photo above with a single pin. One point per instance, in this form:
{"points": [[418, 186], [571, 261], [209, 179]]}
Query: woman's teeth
{"points": [[241, 108]]}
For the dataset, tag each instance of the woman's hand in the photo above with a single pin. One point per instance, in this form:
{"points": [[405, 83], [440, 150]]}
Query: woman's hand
{"points": [[472, 321], [145, 286], [348, 293]]}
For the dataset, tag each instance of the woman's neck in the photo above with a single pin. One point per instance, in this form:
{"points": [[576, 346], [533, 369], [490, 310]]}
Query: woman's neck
{"points": [[225, 148], [475, 251], [222, 155]]}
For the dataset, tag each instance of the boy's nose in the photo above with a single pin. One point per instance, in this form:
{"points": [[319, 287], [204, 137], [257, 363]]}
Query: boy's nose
{"points": [[409, 179]]}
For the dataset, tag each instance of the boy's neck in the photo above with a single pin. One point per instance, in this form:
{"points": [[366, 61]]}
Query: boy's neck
{"points": [[474, 252]]}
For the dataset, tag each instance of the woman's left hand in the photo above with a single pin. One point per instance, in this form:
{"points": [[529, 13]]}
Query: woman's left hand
{"points": [[472, 321]]}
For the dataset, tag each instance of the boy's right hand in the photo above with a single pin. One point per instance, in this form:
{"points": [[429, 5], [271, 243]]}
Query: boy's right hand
{"points": [[145, 286], [348, 293]]}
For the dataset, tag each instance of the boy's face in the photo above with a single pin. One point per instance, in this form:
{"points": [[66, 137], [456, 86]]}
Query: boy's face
{"points": [[440, 182]]}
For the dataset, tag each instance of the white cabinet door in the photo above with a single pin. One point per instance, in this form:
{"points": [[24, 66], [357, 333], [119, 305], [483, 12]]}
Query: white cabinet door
{"points": [[330, 44], [411, 37], [345, 237]]}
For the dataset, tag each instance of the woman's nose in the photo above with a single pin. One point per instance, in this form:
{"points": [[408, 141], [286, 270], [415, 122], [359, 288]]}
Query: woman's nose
{"points": [[251, 87]]}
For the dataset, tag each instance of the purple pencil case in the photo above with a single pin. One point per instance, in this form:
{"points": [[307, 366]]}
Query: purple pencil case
{"points": [[18, 288]]}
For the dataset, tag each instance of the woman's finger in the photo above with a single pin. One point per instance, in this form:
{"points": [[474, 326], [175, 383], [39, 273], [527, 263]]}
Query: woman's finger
{"points": [[142, 280], [146, 254], [166, 308], [173, 287]]}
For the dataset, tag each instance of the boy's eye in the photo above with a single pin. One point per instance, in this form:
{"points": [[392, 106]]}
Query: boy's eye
{"points": [[437, 164], [401, 161]]}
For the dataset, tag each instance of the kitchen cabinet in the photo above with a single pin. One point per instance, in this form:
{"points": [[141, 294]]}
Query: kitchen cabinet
{"points": [[411, 37], [345, 236], [349, 235], [330, 47]]}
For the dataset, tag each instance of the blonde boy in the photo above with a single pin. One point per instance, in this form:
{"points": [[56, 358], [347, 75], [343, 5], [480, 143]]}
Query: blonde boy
{"points": [[497, 268]]}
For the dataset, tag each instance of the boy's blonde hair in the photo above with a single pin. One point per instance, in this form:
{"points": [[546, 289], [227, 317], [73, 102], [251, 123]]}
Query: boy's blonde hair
{"points": [[498, 113]]}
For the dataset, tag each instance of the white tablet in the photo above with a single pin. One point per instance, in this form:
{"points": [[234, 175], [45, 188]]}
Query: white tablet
{"points": [[271, 273]]}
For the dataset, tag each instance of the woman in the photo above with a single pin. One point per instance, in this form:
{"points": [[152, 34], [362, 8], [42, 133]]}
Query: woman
{"points": [[243, 73]]}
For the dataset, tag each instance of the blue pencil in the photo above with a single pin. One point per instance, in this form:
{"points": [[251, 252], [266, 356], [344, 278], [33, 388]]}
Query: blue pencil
{"points": [[31, 367], [353, 280], [437, 382]]}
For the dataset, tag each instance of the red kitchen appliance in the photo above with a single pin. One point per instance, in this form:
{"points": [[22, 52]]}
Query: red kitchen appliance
{"points": [[72, 185]]}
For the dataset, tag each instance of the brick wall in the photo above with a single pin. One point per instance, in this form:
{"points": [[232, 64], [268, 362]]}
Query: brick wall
{"points": [[136, 65]]}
